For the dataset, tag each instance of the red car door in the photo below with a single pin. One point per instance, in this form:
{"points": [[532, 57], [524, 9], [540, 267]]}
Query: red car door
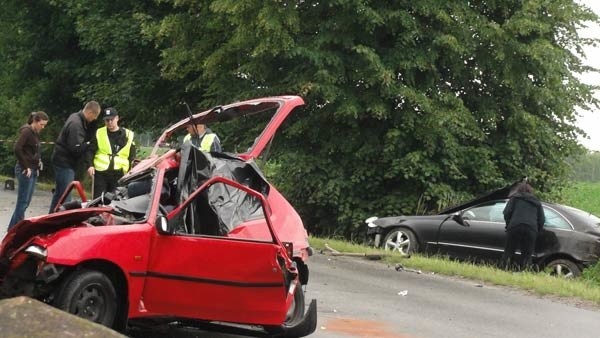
{"points": [[216, 277]]}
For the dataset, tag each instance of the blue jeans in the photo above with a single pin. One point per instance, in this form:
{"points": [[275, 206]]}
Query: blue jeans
{"points": [[63, 177], [26, 186]]}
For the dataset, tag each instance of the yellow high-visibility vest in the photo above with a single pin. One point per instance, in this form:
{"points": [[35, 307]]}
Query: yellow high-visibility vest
{"points": [[205, 144], [104, 152]]}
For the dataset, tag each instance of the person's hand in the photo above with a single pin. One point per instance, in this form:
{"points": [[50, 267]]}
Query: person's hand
{"points": [[27, 172], [40, 166], [91, 171]]}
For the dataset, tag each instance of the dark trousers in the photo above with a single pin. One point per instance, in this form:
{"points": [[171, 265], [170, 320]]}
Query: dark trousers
{"points": [[106, 181], [25, 189], [63, 176], [522, 237]]}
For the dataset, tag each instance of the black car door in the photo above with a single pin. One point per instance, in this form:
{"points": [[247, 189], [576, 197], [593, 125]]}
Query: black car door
{"points": [[480, 237], [557, 235]]}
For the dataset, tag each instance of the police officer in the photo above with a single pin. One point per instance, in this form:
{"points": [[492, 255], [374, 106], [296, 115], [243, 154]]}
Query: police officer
{"points": [[203, 138], [111, 155]]}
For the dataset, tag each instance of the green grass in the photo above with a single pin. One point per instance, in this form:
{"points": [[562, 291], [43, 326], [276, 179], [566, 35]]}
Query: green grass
{"points": [[538, 283], [584, 196]]}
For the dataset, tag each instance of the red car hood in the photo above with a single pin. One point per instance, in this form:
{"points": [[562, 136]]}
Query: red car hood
{"points": [[284, 105], [28, 228]]}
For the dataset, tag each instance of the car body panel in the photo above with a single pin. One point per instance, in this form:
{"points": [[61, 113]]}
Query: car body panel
{"points": [[202, 285], [284, 105]]}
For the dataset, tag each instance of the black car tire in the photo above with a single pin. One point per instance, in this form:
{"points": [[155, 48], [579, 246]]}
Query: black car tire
{"points": [[90, 295], [401, 240], [296, 311], [294, 315], [563, 268]]}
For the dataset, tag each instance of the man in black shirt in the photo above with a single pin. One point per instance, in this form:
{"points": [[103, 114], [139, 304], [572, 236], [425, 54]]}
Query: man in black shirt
{"points": [[70, 148]]}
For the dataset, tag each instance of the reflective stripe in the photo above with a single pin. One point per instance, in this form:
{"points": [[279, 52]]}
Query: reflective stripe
{"points": [[104, 152], [205, 144]]}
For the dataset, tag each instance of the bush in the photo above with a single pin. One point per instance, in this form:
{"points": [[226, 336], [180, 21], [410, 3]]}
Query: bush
{"points": [[592, 274]]}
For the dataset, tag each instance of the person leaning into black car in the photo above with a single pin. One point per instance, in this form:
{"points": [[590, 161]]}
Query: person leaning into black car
{"points": [[524, 216]]}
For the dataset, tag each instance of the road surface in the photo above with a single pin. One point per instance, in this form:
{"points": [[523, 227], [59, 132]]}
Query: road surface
{"points": [[360, 298]]}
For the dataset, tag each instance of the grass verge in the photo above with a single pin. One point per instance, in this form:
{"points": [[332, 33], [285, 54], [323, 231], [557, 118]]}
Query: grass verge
{"points": [[537, 283]]}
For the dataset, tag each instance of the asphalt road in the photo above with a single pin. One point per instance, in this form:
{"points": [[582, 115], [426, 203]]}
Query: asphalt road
{"points": [[360, 298]]}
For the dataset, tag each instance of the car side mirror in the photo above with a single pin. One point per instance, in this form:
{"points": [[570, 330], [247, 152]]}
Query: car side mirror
{"points": [[457, 217], [162, 225]]}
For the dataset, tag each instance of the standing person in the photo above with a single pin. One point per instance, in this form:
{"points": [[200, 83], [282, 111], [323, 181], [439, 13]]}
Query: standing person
{"points": [[111, 153], [524, 216], [203, 138], [70, 147], [29, 162]]}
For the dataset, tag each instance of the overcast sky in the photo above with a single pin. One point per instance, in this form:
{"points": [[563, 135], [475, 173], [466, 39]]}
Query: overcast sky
{"points": [[589, 121]]}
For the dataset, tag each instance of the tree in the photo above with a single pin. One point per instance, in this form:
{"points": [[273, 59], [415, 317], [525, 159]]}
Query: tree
{"points": [[425, 103], [411, 106]]}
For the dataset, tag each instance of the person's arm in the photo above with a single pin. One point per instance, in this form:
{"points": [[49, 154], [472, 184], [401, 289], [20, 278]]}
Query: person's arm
{"points": [[24, 135], [216, 145], [541, 218], [132, 152], [75, 137], [89, 155], [508, 210]]}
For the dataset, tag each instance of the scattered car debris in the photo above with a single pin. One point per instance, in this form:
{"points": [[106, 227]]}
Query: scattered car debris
{"points": [[399, 267], [334, 252]]}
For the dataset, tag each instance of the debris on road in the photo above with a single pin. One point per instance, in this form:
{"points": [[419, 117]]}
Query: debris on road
{"points": [[403, 293], [334, 252], [399, 267]]}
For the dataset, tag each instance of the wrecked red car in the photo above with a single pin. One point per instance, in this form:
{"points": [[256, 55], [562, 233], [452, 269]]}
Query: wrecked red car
{"points": [[188, 237]]}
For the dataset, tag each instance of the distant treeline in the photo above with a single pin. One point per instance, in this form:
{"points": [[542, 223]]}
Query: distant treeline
{"points": [[586, 167]]}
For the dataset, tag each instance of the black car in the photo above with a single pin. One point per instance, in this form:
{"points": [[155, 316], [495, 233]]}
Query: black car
{"points": [[475, 231]]}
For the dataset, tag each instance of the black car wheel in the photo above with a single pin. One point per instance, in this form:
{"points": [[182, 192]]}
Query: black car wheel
{"points": [[293, 316], [88, 294], [563, 268], [296, 310], [401, 240]]}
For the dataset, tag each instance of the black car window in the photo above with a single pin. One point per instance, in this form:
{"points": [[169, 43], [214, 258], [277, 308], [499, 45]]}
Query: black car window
{"points": [[489, 212], [497, 212], [555, 220], [587, 216]]}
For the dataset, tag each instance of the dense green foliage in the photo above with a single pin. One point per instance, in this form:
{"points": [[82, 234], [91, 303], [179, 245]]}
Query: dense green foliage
{"points": [[411, 105]]}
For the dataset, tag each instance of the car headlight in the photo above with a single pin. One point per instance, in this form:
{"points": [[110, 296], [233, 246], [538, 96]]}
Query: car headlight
{"points": [[370, 221], [37, 251]]}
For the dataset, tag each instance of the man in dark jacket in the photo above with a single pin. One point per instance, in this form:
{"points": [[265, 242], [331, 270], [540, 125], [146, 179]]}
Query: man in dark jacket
{"points": [[524, 216], [70, 147]]}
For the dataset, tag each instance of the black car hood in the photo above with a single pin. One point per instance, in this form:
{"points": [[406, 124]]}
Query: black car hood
{"points": [[499, 194], [398, 220]]}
